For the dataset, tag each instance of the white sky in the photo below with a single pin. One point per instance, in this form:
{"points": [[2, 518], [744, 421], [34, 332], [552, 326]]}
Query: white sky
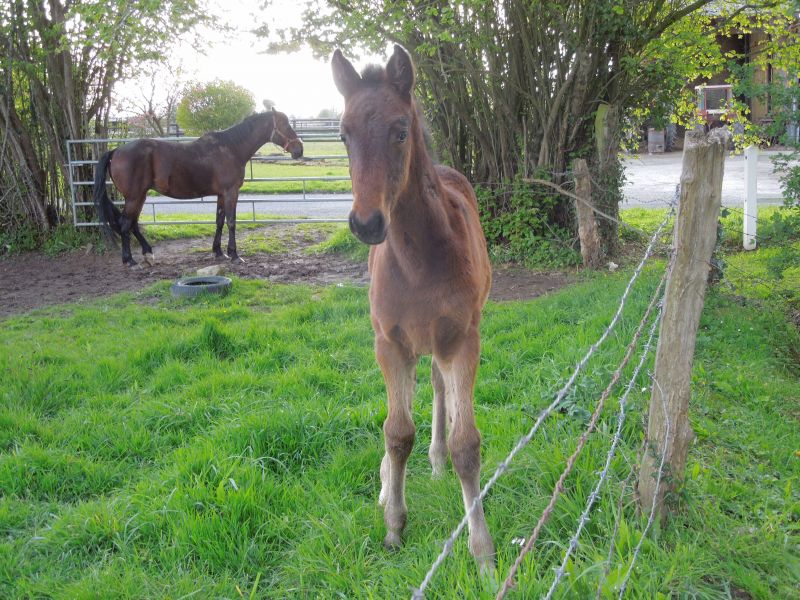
{"points": [[298, 84]]}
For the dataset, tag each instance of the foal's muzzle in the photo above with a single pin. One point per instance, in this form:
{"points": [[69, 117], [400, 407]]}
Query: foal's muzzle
{"points": [[371, 231]]}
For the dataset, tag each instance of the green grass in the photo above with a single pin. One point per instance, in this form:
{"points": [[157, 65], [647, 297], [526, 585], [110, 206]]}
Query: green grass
{"points": [[230, 446], [327, 168], [342, 241]]}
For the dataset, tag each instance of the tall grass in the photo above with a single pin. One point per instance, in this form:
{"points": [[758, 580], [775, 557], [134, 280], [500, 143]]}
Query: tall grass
{"points": [[229, 447]]}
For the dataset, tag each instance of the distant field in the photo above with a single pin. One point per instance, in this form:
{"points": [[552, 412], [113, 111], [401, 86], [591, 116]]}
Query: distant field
{"points": [[299, 168]]}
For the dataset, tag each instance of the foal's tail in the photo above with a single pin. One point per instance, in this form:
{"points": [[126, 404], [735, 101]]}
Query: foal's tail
{"points": [[107, 214]]}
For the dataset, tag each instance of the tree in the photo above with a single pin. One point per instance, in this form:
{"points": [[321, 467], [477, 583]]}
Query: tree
{"points": [[59, 62], [160, 87], [517, 89], [213, 106]]}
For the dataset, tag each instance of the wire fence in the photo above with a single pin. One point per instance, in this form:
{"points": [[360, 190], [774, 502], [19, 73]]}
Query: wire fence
{"points": [[419, 592]]}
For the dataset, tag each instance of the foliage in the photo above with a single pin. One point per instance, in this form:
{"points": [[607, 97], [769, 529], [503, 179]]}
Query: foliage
{"points": [[58, 66], [514, 87], [231, 448], [516, 220], [213, 106]]}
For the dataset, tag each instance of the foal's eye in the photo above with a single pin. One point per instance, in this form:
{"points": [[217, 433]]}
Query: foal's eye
{"points": [[343, 137], [402, 136]]}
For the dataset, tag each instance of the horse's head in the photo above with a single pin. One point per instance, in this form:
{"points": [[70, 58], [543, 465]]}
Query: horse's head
{"points": [[284, 136], [379, 128]]}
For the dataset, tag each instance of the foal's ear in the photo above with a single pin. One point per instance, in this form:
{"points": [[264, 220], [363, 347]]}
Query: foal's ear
{"points": [[400, 71], [345, 76]]}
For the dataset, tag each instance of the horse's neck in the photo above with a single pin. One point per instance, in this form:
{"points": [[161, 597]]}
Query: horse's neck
{"points": [[259, 135], [420, 215]]}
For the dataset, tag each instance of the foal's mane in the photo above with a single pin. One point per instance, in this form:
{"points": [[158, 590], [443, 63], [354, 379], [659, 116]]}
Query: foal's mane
{"points": [[239, 133]]}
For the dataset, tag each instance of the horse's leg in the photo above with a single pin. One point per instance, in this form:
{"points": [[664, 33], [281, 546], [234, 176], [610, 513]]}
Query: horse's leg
{"points": [[438, 450], [458, 372], [216, 247], [125, 224], [398, 434], [230, 216], [147, 250]]}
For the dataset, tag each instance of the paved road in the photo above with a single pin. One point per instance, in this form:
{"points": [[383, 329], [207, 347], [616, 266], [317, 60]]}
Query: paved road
{"points": [[651, 180]]}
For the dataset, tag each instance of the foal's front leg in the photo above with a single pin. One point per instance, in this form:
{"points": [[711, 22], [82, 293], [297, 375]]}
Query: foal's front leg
{"points": [[397, 366], [438, 450], [458, 372]]}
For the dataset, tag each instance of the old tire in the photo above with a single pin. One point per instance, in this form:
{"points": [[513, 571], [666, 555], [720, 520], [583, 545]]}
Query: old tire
{"points": [[188, 287]]}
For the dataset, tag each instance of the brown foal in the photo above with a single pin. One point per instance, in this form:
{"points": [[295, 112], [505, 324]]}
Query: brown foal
{"points": [[430, 278]]}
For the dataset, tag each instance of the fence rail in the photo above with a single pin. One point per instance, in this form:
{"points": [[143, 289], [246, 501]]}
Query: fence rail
{"points": [[85, 153]]}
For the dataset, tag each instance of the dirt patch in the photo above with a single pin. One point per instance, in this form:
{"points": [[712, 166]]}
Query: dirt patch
{"points": [[33, 280]]}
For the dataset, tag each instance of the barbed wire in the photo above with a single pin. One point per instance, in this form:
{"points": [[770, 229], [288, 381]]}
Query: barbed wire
{"points": [[559, 487], [419, 592], [584, 518], [612, 544], [659, 477]]}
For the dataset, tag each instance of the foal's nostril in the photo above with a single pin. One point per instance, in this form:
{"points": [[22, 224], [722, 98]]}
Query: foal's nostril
{"points": [[373, 231]]}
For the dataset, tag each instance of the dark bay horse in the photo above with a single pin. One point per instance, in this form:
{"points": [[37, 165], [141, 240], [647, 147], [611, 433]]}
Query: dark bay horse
{"points": [[212, 165], [430, 278]]}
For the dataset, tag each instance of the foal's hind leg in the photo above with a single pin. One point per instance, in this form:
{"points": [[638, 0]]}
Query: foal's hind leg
{"points": [[438, 451], [458, 373], [398, 433]]}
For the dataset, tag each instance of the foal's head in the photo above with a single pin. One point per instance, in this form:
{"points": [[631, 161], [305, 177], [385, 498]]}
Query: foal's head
{"points": [[284, 136], [380, 130]]}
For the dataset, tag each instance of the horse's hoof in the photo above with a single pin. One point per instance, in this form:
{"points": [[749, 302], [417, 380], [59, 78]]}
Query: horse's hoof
{"points": [[237, 260], [149, 259], [135, 266], [392, 541], [220, 256]]}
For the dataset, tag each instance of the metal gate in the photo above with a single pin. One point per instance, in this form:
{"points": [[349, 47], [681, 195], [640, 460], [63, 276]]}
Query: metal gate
{"points": [[323, 136]]}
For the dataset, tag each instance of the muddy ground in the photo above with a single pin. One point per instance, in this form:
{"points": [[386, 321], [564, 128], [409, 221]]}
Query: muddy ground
{"points": [[34, 280]]}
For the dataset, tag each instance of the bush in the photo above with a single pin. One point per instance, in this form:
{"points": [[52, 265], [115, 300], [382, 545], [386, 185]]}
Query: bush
{"points": [[517, 222], [213, 106]]}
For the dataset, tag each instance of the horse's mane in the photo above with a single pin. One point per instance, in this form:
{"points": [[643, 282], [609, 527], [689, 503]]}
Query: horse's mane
{"points": [[235, 135], [373, 74]]}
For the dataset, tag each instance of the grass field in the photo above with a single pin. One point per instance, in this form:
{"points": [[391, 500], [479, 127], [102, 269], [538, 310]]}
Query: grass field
{"points": [[333, 167], [228, 447]]}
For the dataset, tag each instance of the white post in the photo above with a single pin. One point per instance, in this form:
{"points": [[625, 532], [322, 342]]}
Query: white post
{"points": [[750, 197]]}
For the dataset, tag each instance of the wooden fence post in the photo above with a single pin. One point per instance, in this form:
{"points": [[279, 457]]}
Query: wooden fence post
{"points": [[668, 430], [587, 223]]}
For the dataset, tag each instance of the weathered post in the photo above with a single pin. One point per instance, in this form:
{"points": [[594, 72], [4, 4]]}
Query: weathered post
{"points": [[668, 430], [750, 197], [587, 223]]}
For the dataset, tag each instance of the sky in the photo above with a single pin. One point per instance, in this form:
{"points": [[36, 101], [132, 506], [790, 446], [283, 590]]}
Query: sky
{"points": [[297, 83]]}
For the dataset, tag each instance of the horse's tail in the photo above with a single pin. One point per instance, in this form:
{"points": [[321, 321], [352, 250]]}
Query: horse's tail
{"points": [[108, 215]]}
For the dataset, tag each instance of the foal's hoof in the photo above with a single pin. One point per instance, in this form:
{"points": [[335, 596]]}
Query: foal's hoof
{"points": [[392, 541], [219, 255], [149, 259], [237, 260]]}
